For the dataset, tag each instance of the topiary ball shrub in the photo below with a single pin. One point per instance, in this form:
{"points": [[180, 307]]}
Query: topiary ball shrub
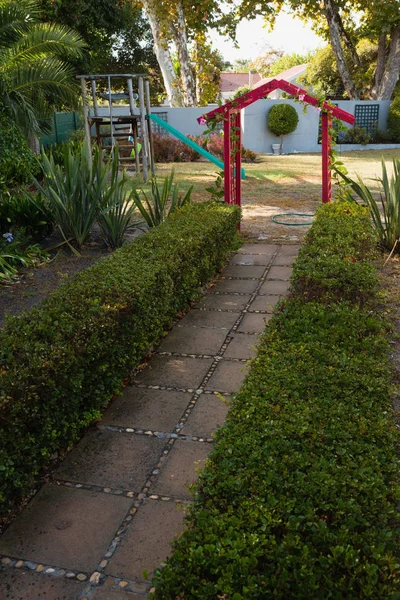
{"points": [[394, 119], [282, 119]]}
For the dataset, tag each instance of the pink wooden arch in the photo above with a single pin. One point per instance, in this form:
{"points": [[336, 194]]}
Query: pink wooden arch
{"points": [[230, 114]]}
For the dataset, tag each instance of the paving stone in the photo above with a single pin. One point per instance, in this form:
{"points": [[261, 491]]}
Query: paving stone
{"points": [[227, 377], [180, 469], [284, 260], [257, 249], [238, 286], [112, 459], [282, 273], [65, 527], [209, 318], [251, 259], [106, 594], [23, 585], [254, 323], [224, 302], [158, 410], [242, 346], [290, 250], [274, 287], [173, 371], [264, 303], [243, 271], [194, 341], [208, 414], [148, 540]]}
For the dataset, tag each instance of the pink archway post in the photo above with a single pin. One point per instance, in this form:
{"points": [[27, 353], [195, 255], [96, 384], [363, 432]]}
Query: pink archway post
{"points": [[230, 114]]}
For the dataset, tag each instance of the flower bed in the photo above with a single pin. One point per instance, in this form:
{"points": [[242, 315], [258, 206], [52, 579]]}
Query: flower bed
{"points": [[61, 363], [298, 499]]}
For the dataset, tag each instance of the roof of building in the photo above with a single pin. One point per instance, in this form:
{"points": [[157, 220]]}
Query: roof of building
{"points": [[288, 75], [230, 82]]}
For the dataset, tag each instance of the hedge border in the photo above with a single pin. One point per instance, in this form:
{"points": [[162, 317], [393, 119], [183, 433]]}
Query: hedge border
{"points": [[298, 498], [62, 362]]}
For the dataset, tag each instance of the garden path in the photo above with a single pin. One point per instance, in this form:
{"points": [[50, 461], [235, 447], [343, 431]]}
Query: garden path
{"points": [[106, 518]]}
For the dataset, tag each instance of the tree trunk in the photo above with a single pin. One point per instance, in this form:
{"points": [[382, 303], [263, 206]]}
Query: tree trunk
{"points": [[335, 30], [380, 66], [392, 70], [163, 54], [181, 43]]}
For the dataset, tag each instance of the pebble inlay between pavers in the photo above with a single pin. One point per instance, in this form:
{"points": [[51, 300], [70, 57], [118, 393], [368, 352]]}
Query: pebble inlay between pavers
{"points": [[98, 577]]}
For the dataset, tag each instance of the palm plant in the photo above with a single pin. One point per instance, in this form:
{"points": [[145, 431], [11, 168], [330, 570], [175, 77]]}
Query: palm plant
{"points": [[386, 213], [35, 72]]}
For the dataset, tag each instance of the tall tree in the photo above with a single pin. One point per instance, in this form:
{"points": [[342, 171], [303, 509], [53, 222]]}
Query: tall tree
{"points": [[35, 64]]}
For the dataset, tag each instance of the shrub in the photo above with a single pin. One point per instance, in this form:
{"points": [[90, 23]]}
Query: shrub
{"points": [[282, 119], [357, 135], [168, 149], [23, 210], [17, 163], [215, 145], [393, 122], [60, 363], [298, 498]]}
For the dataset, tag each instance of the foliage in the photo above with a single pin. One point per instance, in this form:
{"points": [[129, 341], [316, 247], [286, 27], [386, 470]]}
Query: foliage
{"points": [[78, 189], [168, 149], [23, 210], [61, 363], [17, 163], [357, 135], [35, 68], [117, 214], [393, 122], [16, 251], [215, 145], [208, 64], [162, 202], [287, 61], [282, 119], [217, 191], [240, 91], [248, 155], [386, 213], [298, 498]]}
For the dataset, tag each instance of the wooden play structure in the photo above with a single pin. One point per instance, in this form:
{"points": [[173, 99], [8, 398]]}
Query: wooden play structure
{"points": [[230, 115], [132, 132]]}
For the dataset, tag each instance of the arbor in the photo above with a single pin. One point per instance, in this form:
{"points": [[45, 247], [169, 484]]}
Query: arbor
{"points": [[35, 64], [344, 24]]}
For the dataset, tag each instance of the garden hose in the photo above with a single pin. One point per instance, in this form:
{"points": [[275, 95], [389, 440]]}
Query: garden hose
{"points": [[275, 219]]}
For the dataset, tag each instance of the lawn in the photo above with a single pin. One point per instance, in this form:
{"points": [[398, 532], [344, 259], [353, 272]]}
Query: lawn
{"points": [[276, 184]]}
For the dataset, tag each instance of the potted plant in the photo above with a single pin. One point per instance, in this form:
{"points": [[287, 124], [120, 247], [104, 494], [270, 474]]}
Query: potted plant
{"points": [[282, 119]]}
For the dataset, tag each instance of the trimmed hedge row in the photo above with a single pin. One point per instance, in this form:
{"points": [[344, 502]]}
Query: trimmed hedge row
{"points": [[298, 499], [61, 363]]}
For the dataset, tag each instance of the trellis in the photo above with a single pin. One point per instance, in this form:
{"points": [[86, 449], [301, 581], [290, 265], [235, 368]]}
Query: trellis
{"points": [[230, 114]]}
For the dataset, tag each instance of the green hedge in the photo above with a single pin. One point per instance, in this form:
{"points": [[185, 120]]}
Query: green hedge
{"points": [[61, 363], [299, 497]]}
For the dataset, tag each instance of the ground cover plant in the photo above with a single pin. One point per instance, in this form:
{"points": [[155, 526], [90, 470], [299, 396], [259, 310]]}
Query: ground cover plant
{"points": [[61, 363], [298, 499]]}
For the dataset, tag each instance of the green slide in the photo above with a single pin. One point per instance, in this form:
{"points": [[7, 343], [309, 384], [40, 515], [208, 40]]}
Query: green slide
{"points": [[190, 143]]}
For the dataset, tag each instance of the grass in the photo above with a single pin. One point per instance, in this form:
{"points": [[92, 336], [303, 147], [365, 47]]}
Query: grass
{"points": [[277, 184]]}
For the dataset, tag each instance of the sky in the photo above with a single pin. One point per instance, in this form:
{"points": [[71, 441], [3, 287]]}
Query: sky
{"points": [[289, 34]]}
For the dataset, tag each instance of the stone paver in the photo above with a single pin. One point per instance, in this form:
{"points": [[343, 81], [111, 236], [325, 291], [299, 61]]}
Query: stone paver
{"points": [[251, 259], [148, 541], [284, 260], [176, 372], [282, 273], [64, 527], [243, 271], [224, 302], [264, 303], [240, 286], [194, 341], [227, 377], [208, 318], [254, 323], [112, 459], [23, 585], [257, 249], [290, 250], [105, 594], [242, 346], [140, 408], [274, 287], [208, 414], [180, 469]]}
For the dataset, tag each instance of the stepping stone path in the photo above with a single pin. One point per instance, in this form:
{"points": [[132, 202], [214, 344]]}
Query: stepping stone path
{"points": [[105, 521]]}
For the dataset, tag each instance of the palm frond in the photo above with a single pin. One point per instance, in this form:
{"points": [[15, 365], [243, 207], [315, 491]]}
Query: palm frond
{"points": [[16, 17]]}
